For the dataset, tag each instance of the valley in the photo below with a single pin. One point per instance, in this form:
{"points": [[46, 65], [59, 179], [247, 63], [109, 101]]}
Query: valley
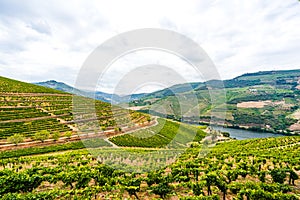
{"points": [[262, 101], [51, 148]]}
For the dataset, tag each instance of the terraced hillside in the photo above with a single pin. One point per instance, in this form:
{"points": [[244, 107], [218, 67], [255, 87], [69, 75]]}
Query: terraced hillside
{"points": [[27, 112], [267, 101]]}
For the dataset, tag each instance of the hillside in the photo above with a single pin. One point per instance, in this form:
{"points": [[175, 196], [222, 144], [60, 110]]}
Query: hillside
{"points": [[167, 160], [102, 96], [35, 113], [13, 86], [267, 101]]}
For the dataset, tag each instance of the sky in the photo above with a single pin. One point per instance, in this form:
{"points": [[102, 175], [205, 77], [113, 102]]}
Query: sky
{"points": [[50, 40]]}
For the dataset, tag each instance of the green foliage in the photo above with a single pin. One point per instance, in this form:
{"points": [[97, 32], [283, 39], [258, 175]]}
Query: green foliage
{"points": [[80, 175], [68, 134], [201, 197], [55, 136], [226, 134], [15, 139], [9, 85], [278, 175], [162, 189], [88, 143], [41, 135], [165, 133]]}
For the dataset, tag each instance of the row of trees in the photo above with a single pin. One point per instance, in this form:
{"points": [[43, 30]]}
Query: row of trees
{"points": [[38, 136]]}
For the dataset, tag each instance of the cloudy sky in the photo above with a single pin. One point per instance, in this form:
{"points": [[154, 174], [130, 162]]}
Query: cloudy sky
{"points": [[43, 40]]}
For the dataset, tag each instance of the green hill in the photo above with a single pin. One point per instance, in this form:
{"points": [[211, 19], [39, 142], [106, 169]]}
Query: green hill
{"points": [[13, 86], [28, 110], [102, 96], [267, 101], [249, 169]]}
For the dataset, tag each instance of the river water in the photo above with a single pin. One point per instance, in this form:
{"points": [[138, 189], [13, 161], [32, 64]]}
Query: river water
{"points": [[241, 134]]}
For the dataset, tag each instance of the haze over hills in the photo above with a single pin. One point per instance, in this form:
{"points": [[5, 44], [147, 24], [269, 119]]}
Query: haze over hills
{"points": [[266, 100], [102, 96]]}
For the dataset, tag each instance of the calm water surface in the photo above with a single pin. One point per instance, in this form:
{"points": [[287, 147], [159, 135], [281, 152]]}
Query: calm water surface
{"points": [[241, 134]]}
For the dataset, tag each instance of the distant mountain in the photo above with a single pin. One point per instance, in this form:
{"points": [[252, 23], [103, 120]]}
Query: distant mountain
{"points": [[249, 79], [58, 86], [111, 98]]}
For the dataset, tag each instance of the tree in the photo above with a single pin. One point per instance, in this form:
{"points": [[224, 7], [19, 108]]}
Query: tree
{"points": [[68, 134], [55, 135], [15, 139], [42, 135], [118, 129], [226, 134], [103, 128], [278, 175]]}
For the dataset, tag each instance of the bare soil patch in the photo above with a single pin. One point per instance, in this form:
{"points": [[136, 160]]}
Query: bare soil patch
{"points": [[295, 127], [261, 104]]}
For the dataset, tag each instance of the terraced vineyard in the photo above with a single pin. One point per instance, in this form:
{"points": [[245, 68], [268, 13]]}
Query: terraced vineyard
{"points": [[259, 169], [27, 110]]}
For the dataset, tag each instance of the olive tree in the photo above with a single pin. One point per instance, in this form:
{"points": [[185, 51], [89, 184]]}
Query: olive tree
{"points": [[15, 139]]}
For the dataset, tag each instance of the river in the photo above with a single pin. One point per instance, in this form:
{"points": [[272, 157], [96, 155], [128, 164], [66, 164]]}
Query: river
{"points": [[241, 134]]}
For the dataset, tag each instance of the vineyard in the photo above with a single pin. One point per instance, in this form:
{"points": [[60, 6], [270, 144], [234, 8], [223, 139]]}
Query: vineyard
{"points": [[28, 111], [259, 169], [154, 159], [165, 134]]}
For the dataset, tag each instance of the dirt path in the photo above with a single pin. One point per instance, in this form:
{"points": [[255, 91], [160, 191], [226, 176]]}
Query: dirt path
{"points": [[127, 132], [104, 134], [113, 145]]}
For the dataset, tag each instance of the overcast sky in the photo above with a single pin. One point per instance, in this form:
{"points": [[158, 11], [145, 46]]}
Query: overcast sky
{"points": [[43, 40]]}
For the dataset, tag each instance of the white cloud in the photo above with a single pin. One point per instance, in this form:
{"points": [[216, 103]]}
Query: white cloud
{"points": [[42, 40]]}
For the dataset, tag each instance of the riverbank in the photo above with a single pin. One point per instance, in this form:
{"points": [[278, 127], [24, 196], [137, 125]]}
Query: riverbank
{"points": [[247, 128], [243, 134]]}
